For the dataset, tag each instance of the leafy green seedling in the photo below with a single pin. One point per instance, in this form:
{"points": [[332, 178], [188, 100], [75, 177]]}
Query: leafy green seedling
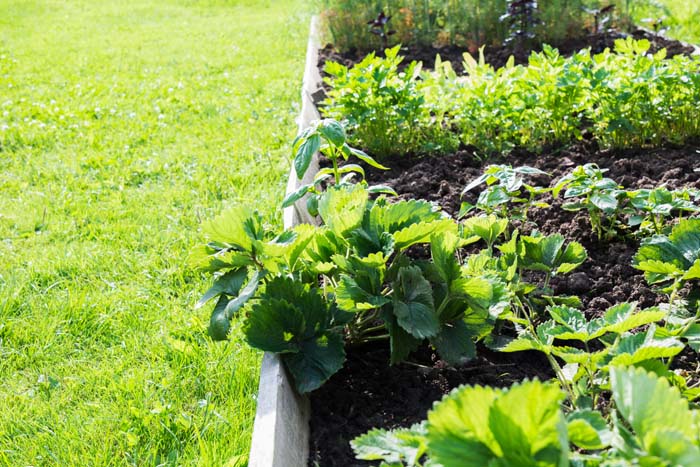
{"points": [[602, 197], [657, 204], [671, 261], [327, 136], [548, 254], [506, 192], [477, 426], [610, 334], [645, 421]]}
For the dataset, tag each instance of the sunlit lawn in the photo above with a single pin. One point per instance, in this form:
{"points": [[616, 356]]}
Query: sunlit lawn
{"points": [[122, 125]]}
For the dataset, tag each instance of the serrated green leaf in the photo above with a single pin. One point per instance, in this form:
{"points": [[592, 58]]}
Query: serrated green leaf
{"points": [[487, 228], [458, 428], [588, 430], [443, 248], [478, 427], [574, 255], [649, 403], [686, 236], [692, 336], [523, 342], [350, 296], [413, 303], [637, 348], [316, 360], [418, 233], [401, 342], [623, 317], [455, 343], [230, 227], [274, 326], [693, 272], [528, 424], [671, 447], [342, 208], [402, 446]]}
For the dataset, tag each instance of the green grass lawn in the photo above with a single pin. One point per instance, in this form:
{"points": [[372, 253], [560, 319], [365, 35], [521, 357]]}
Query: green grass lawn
{"points": [[123, 124]]}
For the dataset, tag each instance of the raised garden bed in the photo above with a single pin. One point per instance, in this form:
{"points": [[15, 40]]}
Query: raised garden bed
{"points": [[354, 399]]}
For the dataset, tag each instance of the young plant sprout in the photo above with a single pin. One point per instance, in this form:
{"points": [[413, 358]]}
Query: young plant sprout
{"points": [[379, 26], [506, 193], [601, 197]]}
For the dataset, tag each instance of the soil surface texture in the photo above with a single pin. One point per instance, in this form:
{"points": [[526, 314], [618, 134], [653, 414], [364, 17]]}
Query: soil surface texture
{"points": [[369, 393]]}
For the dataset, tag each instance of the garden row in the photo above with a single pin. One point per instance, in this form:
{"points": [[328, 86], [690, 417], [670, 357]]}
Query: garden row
{"points": [[625, 98]]}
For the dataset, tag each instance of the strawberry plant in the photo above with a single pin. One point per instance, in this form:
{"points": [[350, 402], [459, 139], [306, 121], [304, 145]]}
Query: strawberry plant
{"points": [[657, 204], [671, 261], [506, 192], [647, 422], [308, 292], [591, 347], [601, 197]]}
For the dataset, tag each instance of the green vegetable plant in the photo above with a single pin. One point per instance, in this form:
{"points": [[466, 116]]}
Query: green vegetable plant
{"points": [[384, 108], [657, 204], [506, 192], [671, 261], [590, 347], [601, 197], [623, 99], [308, 292], [328, 137], [647, 422]]}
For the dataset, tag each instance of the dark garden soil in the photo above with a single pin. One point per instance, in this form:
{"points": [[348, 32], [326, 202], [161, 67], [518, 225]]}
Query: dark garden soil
{"points": [[369, 393], [499, 55]]}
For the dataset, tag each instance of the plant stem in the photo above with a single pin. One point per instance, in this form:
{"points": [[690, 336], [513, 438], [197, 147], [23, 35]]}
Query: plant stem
{"points": [[336, 174]]}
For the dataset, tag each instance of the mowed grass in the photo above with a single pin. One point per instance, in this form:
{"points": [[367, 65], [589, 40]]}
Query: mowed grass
{"points": [[123, 124], [680, 17]]}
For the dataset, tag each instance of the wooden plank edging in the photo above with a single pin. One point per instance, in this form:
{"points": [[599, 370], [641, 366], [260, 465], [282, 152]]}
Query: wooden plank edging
{"points": [[281, 429]]}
